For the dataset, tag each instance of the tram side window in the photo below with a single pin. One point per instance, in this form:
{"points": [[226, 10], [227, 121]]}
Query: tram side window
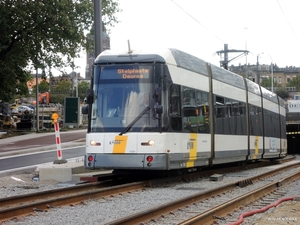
{"points": [[195, 111], [268, 122], [272, 123], [255, 120], [276, 125], [219, 114], [203, 111], [239, 111], [236, 118], [283, 124], [175, 108], [230, 116], [189, 110]]}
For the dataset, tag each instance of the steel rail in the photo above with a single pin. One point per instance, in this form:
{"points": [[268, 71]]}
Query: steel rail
{"points": [[222, 210], [4, 202], [156, 212], [42, 201], [21, 205]]}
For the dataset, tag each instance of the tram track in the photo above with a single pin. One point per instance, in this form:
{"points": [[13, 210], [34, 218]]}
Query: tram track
{"points": [[168, 213], [22, 205], [222, 210], [14, 206]]}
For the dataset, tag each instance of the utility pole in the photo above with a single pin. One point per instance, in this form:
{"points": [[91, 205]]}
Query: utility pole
{"points": [[98, 26], [224, 63], [37, 99], [50, 79]]}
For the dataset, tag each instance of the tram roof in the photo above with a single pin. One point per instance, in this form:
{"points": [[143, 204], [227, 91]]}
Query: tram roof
{"points": [[181, 59]]}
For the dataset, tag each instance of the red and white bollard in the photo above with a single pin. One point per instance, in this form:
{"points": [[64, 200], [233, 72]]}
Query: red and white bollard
{"points": [[58, 143], [57, 139]]}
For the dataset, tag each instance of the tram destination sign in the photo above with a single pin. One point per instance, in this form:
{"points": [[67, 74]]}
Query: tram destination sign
{"points": [[126, 72], [140, 73]]}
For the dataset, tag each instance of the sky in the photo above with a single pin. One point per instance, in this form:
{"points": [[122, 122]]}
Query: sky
{"points": [[269, 29]]}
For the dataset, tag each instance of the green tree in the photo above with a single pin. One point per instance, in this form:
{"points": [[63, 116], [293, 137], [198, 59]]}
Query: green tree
{"points": [[43, 87], [41, 33], [295, 82], [266, 83], [59, 92], [281, 92], [63, 87]]}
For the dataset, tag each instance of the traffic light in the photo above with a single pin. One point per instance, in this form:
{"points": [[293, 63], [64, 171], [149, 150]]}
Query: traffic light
{"points": [[44, 74]]}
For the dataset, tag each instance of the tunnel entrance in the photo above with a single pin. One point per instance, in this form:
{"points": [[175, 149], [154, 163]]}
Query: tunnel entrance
{"points": [[293, 138]]}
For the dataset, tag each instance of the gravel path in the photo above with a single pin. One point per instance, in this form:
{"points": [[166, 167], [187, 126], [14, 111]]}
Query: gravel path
{"points": [[106, 209]]}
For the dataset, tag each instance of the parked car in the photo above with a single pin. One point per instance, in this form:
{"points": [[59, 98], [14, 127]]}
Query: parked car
{"points": [[22, 108], [13, 106], [32, 107]]}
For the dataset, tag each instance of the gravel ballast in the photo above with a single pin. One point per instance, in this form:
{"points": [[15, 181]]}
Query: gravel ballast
{"points": [[106, 209]]}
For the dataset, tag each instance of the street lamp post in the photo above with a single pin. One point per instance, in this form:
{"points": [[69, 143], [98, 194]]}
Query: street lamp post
{"points": [[257, 73], [272, 78], [272, 75]]}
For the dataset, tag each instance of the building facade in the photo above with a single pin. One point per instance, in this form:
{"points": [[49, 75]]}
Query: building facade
{"points": [[281, 76]]}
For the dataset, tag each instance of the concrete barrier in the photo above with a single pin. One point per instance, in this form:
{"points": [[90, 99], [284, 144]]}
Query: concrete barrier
{"points": [[61, 172]]}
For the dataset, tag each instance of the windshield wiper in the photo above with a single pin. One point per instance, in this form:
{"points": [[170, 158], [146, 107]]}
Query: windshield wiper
{"points": [[135, 120]]}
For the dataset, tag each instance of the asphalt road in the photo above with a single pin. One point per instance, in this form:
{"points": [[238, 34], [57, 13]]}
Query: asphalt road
{"points": [[38, 148], [42, 140], [27, 160]]}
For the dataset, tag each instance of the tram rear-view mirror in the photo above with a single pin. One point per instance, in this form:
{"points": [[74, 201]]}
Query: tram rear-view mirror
{"points": [[89, 96], [85, 109]]}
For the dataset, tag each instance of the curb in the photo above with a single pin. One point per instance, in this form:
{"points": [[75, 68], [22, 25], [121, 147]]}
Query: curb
{"points": [[76, 143]]}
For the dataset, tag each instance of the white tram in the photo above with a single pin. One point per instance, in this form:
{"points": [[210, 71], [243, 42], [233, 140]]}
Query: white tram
{"points": [[167, 110]]}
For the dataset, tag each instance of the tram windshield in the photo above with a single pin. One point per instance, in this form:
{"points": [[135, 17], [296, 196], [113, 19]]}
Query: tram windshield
{"points": [[121, 95]]}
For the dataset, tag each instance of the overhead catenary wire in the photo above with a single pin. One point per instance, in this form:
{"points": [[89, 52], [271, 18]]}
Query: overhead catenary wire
{"points": [[297, 39], [216, 36], [198, 22]]}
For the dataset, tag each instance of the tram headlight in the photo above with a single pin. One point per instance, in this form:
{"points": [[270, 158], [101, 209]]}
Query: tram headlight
{"points": [[151, 143], [94, 143], [148, 143]]}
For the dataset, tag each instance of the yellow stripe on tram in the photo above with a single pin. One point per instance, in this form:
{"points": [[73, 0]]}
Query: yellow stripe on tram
{"points": [[192, 146], [255, 147], [120, 144]]}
